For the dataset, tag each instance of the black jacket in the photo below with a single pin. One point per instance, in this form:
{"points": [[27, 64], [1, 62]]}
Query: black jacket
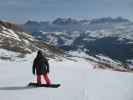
{"points": [[40, 65]]}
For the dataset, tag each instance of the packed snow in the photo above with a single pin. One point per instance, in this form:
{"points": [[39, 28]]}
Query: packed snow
{"points": [[8, 55], [78, 79]]}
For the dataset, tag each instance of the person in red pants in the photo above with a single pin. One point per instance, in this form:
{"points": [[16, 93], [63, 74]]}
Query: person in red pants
{"points": [[41, 67]]}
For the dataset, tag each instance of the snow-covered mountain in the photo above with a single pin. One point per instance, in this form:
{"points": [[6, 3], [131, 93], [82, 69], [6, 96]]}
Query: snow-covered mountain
{"points": [[112, 37], [14, 43], [18, 43]]}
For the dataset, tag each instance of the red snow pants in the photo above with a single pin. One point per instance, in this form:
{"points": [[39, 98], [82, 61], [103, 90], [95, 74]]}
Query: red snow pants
{"points": [[45, 76]]}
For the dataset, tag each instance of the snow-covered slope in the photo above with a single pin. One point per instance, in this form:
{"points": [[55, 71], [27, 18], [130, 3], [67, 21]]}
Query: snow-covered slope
{"points": [[103, 62], [17, 41], [11, 39], [79, 81]]}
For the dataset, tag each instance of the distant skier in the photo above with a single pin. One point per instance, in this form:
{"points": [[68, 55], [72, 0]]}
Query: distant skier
{"points": [[41, 67]]}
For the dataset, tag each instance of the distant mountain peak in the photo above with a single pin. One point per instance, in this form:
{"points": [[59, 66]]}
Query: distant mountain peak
{"points": [[109, 20], [64, 21], [30, 22]]}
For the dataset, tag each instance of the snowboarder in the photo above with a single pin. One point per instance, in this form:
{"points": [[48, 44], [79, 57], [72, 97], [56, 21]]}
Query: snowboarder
{"points": [[41, 67]]}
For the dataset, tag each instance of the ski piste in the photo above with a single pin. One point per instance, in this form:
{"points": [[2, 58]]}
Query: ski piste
{"points": [[78, 79]]}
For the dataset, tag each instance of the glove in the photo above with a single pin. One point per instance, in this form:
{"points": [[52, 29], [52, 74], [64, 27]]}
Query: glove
{"points": [[33, 72]]}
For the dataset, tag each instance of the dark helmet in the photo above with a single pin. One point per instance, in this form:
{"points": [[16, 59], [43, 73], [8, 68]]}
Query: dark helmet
{"points": [[40, 52]]}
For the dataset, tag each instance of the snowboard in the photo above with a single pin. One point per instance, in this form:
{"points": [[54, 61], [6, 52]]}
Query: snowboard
{"points": [[44, 85]]}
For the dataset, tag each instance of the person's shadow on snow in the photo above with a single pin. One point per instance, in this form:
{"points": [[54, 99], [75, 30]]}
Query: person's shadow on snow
{"points": [[16, 88]]}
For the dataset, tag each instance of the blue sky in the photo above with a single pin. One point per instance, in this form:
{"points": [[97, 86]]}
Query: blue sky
{"points": [[23, 10]]}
